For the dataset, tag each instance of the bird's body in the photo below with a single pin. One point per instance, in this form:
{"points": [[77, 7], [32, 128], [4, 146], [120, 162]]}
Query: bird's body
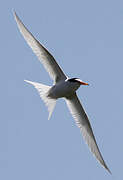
{"points": [[63, 87]]}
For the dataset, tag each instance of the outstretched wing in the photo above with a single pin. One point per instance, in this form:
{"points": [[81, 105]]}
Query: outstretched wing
{"points": [[43, 55], [83, 123]]}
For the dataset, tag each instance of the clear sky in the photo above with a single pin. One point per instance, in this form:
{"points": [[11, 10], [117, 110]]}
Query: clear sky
{"points": [[86, 38]]}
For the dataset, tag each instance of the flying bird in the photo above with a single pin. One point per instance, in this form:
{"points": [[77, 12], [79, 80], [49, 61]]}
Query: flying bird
{"points": [[63, 87]]}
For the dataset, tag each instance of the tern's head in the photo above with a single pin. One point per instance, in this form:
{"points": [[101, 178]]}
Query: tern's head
{"points": [[77, 80]]}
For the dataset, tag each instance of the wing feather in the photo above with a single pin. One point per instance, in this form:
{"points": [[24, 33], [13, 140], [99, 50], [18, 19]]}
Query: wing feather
{"points": [[83, 123], [43, 55]]}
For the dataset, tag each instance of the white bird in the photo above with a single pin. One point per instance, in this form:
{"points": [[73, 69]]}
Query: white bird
{"points": [[63, 87]]}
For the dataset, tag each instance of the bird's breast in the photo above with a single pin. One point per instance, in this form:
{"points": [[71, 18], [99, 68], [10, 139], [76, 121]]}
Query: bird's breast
{"points": [[63, 89]]}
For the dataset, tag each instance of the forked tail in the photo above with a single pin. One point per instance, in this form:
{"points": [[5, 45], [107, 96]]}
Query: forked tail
{"points": [[43, 92]]}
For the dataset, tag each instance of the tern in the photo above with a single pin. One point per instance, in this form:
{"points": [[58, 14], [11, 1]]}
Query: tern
{"points": [[63, 87]]}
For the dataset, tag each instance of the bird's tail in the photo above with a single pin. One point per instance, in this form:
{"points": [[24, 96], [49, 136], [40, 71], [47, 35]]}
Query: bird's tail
{"points": [[43, 92]]}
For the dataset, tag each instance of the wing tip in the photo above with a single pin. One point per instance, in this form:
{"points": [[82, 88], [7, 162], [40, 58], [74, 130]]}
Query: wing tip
{"points": [[107, 169], [14, 14]]}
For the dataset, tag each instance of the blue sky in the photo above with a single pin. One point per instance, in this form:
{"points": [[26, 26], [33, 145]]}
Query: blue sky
{"points": [[86, 39]]}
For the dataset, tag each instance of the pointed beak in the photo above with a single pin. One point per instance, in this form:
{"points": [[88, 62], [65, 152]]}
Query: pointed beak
{"points": [[83, 83]]}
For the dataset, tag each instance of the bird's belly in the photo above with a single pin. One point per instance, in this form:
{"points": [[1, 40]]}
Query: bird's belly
{"points": [[64, 90]]}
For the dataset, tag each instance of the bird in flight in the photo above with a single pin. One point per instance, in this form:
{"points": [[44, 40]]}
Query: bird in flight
{"points": [[63, 87]]}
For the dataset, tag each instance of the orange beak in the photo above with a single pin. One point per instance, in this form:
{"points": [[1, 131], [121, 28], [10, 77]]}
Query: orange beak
{"points": [[83, 83]]}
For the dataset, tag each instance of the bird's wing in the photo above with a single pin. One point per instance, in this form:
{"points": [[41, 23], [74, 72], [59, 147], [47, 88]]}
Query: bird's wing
{"points": [[43, 55], [83, 123]]}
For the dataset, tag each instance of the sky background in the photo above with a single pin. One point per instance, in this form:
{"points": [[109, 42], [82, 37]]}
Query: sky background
{"points": [[86, 39]]}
